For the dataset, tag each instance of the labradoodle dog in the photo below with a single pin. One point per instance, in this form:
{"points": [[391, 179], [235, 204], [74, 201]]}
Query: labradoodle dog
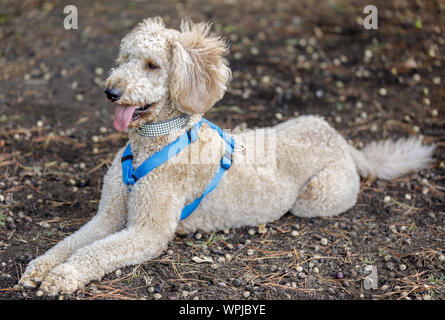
{"points": [[302, 165]]}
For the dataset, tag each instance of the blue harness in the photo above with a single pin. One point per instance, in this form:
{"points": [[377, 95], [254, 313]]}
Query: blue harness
{"points": [[132, 176]]}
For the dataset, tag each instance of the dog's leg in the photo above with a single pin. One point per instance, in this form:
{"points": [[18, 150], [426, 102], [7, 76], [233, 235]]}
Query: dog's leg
{"points": [[332, 191], [152, 221], [110, 218]]}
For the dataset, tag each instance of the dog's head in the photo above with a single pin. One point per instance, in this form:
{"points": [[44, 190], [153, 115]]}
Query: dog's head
{"points": [[161, 71]]}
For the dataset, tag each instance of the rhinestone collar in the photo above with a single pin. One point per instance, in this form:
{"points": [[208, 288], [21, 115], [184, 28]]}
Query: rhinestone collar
{"points": [[163, 128]]}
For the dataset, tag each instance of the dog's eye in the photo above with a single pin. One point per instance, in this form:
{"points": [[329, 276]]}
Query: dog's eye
{"points": [[152, 66]]}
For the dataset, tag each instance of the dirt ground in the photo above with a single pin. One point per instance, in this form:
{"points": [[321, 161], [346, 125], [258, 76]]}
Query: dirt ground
{"points": [[288, 58]]}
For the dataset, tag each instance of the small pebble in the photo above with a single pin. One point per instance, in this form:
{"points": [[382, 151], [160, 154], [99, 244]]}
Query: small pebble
{"points": [[368, 54], [246, 294], [118, 272], [262, 229], [368, 283], [99, 71], [254, 51], [393, 228], [198, 236], [387, 199], [44, 225], [408, 196], [441, 258], [266, 79], [315, 270], [368, 269], [384, 287], [345, 283], [324, 241], [157, 296], [39, 293], [250, 252], [383, 91], [299, 269], [251, 232], [294, 233], [402, 267], [214, 266]]}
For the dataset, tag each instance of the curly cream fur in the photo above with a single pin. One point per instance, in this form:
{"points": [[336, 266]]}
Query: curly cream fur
{"points": [[313, 171]]}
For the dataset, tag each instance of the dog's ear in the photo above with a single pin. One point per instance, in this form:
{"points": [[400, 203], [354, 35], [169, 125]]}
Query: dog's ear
{"points": [[199, 70]]}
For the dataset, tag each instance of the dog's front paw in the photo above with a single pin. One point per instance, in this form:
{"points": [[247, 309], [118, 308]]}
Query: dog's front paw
{"points": [[35, 272], [64, 278]]}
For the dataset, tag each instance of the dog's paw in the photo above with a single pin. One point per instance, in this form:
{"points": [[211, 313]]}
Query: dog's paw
{"points": [[35, 272], [62, 279]]}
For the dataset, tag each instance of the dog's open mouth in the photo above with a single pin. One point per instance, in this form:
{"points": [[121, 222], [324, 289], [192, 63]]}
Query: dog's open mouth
{"points": [[126, 114]]}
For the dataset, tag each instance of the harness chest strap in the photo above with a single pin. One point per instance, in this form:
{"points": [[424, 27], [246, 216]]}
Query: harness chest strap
{"points": [[131, 176]]}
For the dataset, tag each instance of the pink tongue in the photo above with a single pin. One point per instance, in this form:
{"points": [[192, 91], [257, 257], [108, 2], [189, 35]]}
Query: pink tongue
{"points": [[122, 117]]}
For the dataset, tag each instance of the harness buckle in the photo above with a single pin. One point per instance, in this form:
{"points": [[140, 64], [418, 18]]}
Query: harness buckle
{"points": [[226, 160], [127, 157]]}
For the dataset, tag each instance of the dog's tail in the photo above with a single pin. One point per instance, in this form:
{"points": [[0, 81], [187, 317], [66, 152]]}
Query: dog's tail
{"points": [[389, 159]]}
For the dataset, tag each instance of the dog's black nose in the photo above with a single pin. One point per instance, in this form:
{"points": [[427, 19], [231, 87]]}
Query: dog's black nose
{"points": [[113, 93]]}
